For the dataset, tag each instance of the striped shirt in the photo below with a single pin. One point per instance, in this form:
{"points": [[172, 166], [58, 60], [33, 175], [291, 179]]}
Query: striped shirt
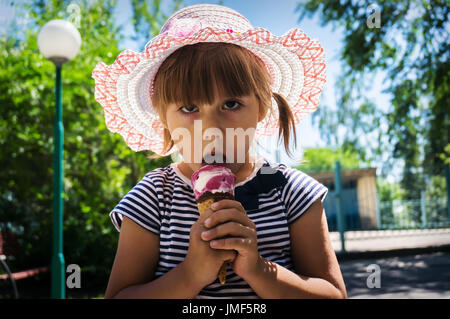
{"points": [[163, 203]]}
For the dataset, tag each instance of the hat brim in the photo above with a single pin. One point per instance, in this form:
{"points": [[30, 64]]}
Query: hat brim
{"points": [[295, 62]]}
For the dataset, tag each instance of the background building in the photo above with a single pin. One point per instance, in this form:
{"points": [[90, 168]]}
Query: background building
{"points": [[359, 198]]}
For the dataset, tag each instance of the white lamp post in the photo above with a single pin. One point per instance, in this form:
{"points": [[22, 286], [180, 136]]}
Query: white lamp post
{"points": [[59, 41]]}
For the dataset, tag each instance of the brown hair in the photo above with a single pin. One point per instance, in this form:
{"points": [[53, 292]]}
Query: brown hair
{"points": [[190, 73]]}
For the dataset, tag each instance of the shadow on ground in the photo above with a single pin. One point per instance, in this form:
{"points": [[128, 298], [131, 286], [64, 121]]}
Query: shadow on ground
{"points": [[419, 276]]}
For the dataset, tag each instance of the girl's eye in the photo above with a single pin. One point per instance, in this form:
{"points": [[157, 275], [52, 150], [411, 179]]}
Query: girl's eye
{"points": [[229, 105], [189, 109], [232, 105]]}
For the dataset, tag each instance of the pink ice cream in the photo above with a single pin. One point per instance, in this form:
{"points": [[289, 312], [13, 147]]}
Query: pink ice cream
{"points": [[213, 179]]}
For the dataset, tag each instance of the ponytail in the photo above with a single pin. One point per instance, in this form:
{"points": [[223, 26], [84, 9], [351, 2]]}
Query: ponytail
{"points": [[286, 122]]}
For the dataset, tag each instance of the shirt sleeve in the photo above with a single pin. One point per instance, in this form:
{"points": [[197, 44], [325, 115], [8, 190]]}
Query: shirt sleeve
{"points": [[300, 192], [140, 204]]}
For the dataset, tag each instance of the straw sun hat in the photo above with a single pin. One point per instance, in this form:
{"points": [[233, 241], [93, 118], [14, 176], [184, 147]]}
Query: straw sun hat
{"points": [[295, 62]]}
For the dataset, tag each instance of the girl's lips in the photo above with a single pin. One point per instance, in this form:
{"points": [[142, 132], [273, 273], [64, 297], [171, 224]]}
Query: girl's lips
{"points": [[212, 160]]}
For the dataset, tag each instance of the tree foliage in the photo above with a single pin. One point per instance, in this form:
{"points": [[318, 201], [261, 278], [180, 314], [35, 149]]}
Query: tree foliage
{"points": [[99, 168], [149, 19], [412, 48], [324, 160]]}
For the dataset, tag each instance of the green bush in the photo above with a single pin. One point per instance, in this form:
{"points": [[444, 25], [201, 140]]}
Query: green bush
{"points": [[99, 168]]}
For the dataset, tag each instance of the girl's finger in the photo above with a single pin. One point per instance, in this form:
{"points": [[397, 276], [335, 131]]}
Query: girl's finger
{"points": [[227, 203], [201, 219], [241, 245], [226, 215], [228, 255], [229, 229]]}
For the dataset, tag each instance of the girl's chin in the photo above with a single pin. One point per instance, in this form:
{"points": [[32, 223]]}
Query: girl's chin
{"points": [[232, 166]]}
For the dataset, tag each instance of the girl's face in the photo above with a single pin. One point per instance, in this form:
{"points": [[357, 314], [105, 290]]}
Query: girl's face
{"points": [[241, 114]]}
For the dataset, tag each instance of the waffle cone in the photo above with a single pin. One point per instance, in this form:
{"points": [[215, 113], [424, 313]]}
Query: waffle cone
{"points": [[203, 206]]}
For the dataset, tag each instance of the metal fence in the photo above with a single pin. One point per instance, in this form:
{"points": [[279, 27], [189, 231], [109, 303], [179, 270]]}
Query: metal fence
{"points": [[348, 210], [423, 213], [409, 214]]}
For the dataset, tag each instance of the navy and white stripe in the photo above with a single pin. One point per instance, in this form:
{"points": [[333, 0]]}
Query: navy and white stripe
{"points": [[164, 204]]}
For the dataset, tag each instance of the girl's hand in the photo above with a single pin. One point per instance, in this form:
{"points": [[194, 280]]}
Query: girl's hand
{"points": [[202, 263], [231, 221]]}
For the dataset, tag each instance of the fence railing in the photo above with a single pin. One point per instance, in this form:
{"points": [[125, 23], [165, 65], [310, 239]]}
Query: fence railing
{"points": [[408, 214], [401, 214]]}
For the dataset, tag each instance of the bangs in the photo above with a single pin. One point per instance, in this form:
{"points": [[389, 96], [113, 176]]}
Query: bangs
{"points": [[202, 72]]}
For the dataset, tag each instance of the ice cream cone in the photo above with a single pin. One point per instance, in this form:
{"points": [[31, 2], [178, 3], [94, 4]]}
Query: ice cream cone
{"points": [[212, 183], [202, 207]]}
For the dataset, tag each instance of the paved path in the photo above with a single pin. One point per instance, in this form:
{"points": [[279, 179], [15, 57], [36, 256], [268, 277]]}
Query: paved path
{"points": [[419, 276], [382, 240]]}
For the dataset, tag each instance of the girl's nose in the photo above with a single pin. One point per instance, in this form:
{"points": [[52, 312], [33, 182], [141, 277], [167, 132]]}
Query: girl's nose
{"points": [[211, 126], [210, 119]]}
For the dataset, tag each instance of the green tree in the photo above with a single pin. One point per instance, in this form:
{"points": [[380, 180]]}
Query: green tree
{"points": [[412, 48], [99, 168], [324, 159], [148, 19]]}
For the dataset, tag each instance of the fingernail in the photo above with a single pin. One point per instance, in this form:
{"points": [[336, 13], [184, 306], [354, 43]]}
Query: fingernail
{"points": [[208, 222], [214, 205], [206, 234], [214, 243]]}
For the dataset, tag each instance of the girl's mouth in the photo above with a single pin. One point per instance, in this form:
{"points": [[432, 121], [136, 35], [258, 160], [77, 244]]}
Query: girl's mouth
{"points": [[213, 159]]}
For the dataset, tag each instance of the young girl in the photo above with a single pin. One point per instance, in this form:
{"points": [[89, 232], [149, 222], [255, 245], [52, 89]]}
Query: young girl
{"points": [[209, 66]]}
